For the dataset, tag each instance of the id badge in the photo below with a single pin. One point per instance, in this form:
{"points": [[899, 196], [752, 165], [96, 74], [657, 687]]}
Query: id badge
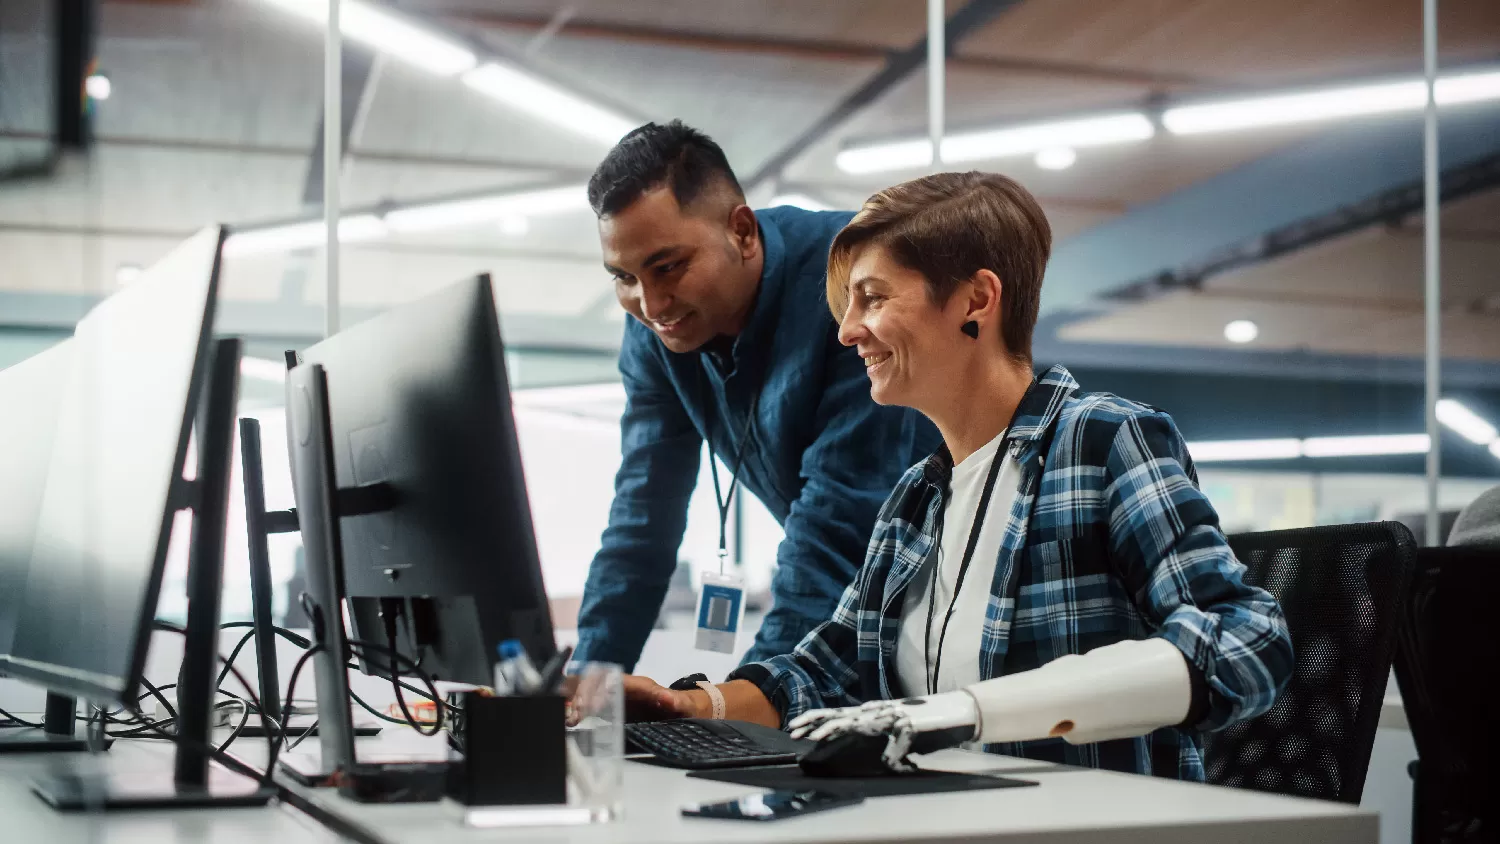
{"points": [[721, 610]]}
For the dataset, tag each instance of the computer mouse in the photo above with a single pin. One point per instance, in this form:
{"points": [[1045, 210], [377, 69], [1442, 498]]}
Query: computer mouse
{"points": [[848, 755]]}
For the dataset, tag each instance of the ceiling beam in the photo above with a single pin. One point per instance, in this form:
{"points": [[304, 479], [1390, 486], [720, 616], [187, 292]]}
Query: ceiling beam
{"points": [[1388, 207], [353, 152], [1347, 177], [813, 49], [358, 79], [898, 66]]}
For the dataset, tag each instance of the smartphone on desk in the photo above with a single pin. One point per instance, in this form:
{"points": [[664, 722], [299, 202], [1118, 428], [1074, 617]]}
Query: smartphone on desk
{"points": [[773, 806]]}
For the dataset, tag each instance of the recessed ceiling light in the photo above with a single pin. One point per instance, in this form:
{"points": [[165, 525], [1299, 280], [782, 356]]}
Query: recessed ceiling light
{"points": [[1465, 422], [1241, 331], [1056, 158], [98, 87], [126, 273], [1025, 139]]}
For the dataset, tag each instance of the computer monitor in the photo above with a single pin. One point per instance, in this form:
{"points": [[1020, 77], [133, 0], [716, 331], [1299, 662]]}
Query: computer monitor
{"points": [[141, 361], [419, 407], [114, 482], [31, 395]]}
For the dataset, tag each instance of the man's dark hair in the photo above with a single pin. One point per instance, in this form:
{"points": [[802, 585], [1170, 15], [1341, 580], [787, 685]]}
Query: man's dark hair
{"points": [[678, 156]]}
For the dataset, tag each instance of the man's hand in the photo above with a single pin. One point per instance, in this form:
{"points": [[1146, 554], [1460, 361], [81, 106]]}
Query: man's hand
{"points": [[646, 700]]}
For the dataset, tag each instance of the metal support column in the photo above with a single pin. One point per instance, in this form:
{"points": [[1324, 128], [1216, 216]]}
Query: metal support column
{"points": [[1432, 278], [333, 121], [937, 60]]}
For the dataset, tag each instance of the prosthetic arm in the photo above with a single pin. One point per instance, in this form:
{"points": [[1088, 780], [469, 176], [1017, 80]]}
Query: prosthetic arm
{"points": [[1118, 691]]}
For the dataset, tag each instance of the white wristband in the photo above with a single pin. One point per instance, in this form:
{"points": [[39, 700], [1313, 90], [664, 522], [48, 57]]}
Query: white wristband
{"points": [[715, 697]]}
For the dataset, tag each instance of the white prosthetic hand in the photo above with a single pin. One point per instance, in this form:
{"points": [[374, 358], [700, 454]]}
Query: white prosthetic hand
{"points": [[917, 724], [1118, 691]]}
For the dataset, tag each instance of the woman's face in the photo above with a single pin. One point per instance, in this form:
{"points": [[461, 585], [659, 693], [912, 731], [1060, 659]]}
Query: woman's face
{"points": [[911, 346]]}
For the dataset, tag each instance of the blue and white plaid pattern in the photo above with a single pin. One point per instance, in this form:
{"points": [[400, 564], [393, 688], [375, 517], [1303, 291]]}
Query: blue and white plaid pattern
{"points": [[1109, 539]]}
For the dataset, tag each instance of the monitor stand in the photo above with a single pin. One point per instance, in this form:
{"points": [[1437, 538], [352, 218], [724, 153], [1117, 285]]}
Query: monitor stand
{"points": [[259, 525], [316, 487], [193, 782], [59, 731]]}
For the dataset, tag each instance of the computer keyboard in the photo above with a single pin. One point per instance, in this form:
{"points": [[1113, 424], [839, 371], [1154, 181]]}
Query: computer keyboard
{"points": [[700, 744]]}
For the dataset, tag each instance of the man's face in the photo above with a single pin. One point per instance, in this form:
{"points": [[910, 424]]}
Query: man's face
{"points": [[682, 274]]}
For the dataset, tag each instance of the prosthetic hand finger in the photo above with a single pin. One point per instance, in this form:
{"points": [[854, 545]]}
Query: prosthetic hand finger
{"points": [[949, 711], [822, 723]]}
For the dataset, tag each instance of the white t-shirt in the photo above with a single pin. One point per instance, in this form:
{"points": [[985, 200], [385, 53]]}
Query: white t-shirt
{"points": [[960, 662]]}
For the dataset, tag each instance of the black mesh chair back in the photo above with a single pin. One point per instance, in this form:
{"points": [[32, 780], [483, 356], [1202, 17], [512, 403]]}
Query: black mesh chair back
{"points": [[1342, 588], [1447, 668]]}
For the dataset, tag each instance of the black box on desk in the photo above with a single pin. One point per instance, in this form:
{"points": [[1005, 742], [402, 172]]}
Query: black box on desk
{"points": [[513, 751]]}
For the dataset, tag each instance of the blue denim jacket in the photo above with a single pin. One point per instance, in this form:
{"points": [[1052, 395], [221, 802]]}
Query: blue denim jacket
{"points": [[822, 456]]}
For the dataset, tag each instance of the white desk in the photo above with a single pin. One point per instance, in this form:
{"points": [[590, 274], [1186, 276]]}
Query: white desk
{"points": [[1069, 805], [25, 818]]}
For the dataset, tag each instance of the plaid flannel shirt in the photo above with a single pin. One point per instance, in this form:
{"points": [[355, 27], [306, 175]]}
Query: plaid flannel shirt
{"points": [[1109, 539]]}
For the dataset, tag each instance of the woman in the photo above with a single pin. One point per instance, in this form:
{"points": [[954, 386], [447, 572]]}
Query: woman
{"points": [[1051, 583]]}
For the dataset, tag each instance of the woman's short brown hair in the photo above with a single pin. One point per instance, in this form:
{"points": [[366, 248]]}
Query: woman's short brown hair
{"points": [[949, 226]]}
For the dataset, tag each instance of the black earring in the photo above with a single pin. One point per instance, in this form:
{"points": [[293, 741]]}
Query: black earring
{"points": [[971, 328]]}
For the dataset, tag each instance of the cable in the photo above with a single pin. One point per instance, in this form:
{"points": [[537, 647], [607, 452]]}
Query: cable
{"points": [[397, 656], [233, 655], [146, 725], [377, 713], [305, 643], [305, 733], [298, 640], [18, 722], [390, 637], [271, 738], [240, 727], [157, 693], [290, 689]]}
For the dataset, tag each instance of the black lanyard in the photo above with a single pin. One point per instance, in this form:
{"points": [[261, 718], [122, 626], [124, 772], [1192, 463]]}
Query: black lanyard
{"points": [[734, 474], [933, 667]]}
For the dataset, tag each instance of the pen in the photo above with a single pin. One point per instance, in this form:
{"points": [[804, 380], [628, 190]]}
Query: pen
{"points": [[553, 672]]}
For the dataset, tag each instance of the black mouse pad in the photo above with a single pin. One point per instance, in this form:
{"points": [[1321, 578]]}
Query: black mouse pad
{"points": [[791, 778]]}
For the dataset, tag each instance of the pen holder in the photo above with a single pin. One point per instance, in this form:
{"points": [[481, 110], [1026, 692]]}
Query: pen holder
{"points": [[513, 751]]}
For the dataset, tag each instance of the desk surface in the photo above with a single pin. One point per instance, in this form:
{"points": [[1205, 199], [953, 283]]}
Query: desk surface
{"points": [[1069, 805], [25, 818]]}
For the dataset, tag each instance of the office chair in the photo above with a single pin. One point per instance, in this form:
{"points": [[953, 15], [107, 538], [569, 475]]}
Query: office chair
{"points": [[1342, 588], [1444, 653]]}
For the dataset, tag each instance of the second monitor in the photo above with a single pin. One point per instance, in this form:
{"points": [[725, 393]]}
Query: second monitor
{"points": [[446, 566]]}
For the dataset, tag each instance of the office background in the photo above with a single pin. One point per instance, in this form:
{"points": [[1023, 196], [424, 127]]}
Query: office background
{"points": [[1263, 283]]}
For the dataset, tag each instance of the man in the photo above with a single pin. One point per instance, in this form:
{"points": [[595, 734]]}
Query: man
{"points": [[730, 342]]}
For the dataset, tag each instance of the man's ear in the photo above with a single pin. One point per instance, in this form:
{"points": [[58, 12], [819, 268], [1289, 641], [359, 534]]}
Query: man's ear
{"points": [[744, 232]]}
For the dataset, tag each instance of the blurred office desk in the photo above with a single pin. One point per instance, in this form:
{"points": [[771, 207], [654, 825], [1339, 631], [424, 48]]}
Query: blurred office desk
{"points": [[1069, 805], [25, 818]]}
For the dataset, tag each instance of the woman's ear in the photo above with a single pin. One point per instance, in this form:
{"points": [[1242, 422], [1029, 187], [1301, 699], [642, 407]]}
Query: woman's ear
{"points": [[984, 289]]}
